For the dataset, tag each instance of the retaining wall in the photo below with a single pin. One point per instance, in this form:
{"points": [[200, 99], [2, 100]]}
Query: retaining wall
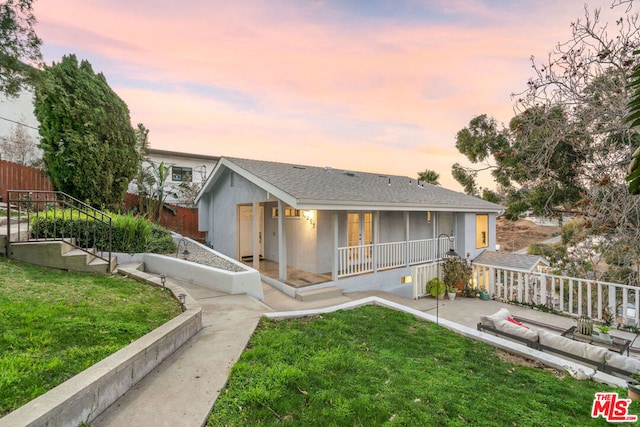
{"points": [[83, 397]]}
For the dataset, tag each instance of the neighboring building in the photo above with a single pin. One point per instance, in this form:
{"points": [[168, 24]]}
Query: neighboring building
{"points": [[188, 168], [356, 230]]}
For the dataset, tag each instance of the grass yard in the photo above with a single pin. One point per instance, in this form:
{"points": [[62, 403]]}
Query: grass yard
{"points": [[374, 366], [54, 324]]}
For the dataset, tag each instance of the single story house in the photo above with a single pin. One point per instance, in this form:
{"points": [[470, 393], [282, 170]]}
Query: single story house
{"points": [[331, 227]]}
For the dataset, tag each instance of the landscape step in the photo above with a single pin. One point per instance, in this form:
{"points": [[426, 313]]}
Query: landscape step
{"points": [[319, 294]]}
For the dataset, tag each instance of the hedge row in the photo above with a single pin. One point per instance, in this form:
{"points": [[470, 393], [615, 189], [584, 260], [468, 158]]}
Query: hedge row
{"points": [[130, 234]]}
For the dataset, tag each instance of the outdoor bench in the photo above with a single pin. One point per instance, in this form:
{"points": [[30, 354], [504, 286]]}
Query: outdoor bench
{"points": [[502, 323]]}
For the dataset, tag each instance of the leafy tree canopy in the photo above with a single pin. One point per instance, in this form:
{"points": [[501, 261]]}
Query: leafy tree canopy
{"points": [[567, 148], [19, 44], [429, 176], [86, 135]]}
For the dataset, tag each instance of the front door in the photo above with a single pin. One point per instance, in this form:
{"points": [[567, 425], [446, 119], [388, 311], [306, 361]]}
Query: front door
{"points": [[246, 232], [359, 233]]}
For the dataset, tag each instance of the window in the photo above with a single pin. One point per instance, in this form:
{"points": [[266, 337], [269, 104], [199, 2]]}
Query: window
{"points": [[482, 231], [181, 174], [289, 212]]}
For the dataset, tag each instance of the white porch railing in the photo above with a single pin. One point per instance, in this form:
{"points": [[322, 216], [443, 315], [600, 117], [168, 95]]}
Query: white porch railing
{"points": [[354, 260], [420, 275], [570, 295]]}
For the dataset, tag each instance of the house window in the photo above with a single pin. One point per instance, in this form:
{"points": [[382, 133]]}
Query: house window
{"points": [[181, 174], [289, 212], [482, 231]]}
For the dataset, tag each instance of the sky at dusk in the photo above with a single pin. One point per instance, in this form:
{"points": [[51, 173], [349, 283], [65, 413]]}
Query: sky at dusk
{"points": [[372, 85]]}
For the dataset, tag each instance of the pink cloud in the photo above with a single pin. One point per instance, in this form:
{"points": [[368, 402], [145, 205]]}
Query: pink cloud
{"points": [[416, 84]]}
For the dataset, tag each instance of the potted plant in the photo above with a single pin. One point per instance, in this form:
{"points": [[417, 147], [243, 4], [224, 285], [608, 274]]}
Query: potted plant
{"points": [[604, 332], [456, 272], [436, 287], [470, 292], [451, 292]]}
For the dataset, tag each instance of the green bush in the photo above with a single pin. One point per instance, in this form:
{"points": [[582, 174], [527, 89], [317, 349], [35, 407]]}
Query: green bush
{"points": [[436, 287], [129, 234]]}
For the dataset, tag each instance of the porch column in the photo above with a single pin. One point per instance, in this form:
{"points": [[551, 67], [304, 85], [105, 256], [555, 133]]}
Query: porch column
{"points": [[255, 251], [406, 237], [376, 228], [282, 243], [335, 263]]}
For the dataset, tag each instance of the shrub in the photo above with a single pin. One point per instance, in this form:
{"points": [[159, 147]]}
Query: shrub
{"points": [[435, 287], [129, 234]]}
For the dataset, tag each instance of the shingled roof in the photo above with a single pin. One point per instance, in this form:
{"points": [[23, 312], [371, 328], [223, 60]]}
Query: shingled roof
{"points": [[314, 187], [510, 261]]}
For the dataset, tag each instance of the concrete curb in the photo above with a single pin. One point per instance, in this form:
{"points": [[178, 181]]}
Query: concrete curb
{"points": [[83, 397], [546, 359]]}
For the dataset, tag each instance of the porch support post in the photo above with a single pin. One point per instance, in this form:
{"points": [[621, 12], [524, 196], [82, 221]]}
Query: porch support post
{"points": [[376, 227], [282, 243], [255, 250], [335, 263], [406, 237]]}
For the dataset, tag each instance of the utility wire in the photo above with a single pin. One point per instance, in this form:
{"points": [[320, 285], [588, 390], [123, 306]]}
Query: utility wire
{"points": [[18, 123]]}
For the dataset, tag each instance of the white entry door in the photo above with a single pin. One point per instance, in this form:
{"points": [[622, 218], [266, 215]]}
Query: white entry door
{"points": [[246, 232]]}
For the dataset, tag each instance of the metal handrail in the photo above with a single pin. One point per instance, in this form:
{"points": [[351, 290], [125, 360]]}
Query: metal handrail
{"points": [[32, 204]]}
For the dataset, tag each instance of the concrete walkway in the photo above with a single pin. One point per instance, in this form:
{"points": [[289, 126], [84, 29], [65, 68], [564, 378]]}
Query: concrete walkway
{"points": [[183, 389]]}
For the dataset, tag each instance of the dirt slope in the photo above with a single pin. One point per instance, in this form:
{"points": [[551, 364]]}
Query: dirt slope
{"points": [[515, 235]]}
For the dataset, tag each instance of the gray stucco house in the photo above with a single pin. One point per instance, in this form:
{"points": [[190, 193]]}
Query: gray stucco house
{"points": [[354, 230]]}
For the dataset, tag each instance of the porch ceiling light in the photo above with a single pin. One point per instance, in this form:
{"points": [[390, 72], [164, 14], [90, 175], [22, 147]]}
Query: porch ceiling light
{"points": [[308, 215]]}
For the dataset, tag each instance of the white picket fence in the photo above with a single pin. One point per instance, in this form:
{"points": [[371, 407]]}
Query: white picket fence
{"points": [[568, 295]]}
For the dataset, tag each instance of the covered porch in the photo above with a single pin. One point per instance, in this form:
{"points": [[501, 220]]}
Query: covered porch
{"points": [[306, 247]]}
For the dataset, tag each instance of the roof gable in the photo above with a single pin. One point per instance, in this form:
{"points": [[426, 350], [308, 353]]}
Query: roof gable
{"points": [[510, 261]]}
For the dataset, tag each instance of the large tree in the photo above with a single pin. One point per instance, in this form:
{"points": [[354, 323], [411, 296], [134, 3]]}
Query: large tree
{"points": [[566, 150], [19, 45], [86, 134]]}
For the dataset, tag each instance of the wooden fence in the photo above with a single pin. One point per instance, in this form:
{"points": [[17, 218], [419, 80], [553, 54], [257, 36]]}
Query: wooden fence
{"points": [[14, 176], [184, 221]]}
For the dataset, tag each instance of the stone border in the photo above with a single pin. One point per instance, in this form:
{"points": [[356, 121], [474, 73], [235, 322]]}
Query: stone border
{"points": [[86, 395], [550, 360]]}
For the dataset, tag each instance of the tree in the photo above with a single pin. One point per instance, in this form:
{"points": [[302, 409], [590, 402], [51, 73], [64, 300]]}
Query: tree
{"points": [[429, 176], [19, 44], [566, 150], [20, 147], [86, 135], [142, 178]]}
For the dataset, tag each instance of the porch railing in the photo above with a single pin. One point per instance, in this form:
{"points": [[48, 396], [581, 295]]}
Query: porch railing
{"points": [[353, 260], [573, 296]]}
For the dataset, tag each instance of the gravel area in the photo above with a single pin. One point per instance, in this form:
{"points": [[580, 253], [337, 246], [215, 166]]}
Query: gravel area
{"points": [[201, 254]]}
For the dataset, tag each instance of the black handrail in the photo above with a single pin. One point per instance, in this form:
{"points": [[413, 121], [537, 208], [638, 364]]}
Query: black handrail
{"points": [[37, 206]]}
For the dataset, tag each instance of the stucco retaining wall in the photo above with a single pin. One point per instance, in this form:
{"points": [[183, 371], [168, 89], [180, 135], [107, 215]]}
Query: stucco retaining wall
{"points": [[233, 283]]}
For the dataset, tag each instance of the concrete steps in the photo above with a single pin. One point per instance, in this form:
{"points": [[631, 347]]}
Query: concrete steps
{"points": [[319, 294], [18, 232], [60, 254]]}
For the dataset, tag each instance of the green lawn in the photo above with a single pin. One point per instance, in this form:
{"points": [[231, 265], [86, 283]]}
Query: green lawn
{"points": [[54, 324], [374, 366]]}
